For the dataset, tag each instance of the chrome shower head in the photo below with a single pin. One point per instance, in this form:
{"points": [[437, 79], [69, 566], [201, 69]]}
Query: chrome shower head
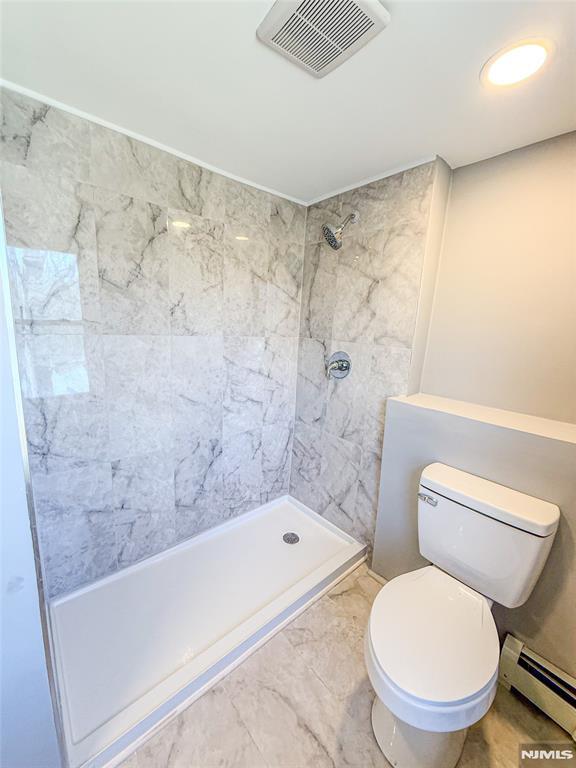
{"points": [[333, 235]]}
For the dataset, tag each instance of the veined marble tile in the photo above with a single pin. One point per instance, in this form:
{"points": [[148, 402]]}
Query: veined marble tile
{"points": [[133, 248], [198, 379], [307, 459], [339, 480], [210, 734], [284, 289], [143, 497], [287, 221], [365, 251], [306, 470], [202, 516], [247, 384], [246, 270], [65, 432], [143, 534], [367, 497], [60, 365], [62, 379], [77, 548], [416, 192], [312, 382], [84, 488], [358, 278], [242, 465], [279, 366], [260, 382], [300, 717], [355, 743], [325, 472], [357, 317], [143, 483], [276, 461], [51, 239], [381, 271], [137, 370], [132, 761], [325, 212], [133, 168], [320, 300], [329, 638], [402, 197], [397, 294], [378, 203], [198, 191], [48, 294], [388, 378], [198, 482], [354, 595], [195, 274], [331, 642], [247, 206], [43, 138], [346, 398]]}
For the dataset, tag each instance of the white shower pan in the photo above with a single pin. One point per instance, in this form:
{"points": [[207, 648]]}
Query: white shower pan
{"points": [[134, 648]]}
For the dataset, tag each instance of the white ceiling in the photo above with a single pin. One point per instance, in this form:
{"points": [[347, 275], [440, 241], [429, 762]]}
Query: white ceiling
{"points": [[192, 76]]}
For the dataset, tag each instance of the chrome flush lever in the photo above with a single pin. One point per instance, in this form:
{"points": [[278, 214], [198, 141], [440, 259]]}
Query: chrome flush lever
{"points": [[428, 499]]}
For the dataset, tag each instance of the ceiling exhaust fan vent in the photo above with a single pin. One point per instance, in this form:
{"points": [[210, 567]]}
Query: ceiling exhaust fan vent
{"points": [[319, 35]]}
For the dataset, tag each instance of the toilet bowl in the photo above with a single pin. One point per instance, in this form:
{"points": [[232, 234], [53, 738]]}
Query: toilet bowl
{"points": [[431, 646], [432, 656]]}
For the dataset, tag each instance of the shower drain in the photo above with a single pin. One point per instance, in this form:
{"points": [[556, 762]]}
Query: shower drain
{"points": [[291, 538]]}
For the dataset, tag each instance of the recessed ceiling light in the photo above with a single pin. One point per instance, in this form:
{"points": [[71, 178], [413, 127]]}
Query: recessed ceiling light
{"points": [[516, 63], [181, 224], [242, 237]]}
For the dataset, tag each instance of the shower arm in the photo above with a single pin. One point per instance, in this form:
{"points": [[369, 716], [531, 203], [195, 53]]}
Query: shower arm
{"points": [[350, 218]]}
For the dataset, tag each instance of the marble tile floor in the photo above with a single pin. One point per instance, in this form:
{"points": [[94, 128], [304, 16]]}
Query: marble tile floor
{"points": [[303, 701]]}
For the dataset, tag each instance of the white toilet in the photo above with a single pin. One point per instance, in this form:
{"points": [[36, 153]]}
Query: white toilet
{"points": [[431, 645]]}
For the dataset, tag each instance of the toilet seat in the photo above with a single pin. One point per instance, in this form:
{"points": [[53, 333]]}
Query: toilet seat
{"points": [[432, 650]]}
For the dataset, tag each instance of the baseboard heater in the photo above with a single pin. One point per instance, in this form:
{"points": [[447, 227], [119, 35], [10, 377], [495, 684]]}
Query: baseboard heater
{"points": [[551, 689]]}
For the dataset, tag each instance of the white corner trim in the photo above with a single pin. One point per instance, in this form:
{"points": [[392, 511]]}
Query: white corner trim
{"points": [[370, 179], [144, 139]]}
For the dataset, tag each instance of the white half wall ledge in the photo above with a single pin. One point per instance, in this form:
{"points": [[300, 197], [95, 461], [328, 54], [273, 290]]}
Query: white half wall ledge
{"points": [[520, 422]]}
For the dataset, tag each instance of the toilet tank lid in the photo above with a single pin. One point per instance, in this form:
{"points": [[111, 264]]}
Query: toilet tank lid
{"points": [[497, 501]]}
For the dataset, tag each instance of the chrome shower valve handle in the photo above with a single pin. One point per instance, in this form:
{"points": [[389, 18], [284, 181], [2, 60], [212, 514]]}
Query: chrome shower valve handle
{"points": [[338, 365]]}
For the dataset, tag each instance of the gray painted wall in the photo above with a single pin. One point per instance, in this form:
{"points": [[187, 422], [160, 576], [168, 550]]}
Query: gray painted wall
{"points": [[417, 434], [503, 326]]}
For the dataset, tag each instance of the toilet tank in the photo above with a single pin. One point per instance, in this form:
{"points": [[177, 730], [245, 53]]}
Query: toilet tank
{"points": [[492, 538]]}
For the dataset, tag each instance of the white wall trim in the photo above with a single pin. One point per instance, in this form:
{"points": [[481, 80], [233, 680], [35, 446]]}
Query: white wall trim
{"points": [[370, 179], [144, 139]]}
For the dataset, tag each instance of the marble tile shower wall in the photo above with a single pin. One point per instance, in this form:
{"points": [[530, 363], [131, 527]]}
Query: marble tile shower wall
{"points": [[157, 351], [362, 299]]}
